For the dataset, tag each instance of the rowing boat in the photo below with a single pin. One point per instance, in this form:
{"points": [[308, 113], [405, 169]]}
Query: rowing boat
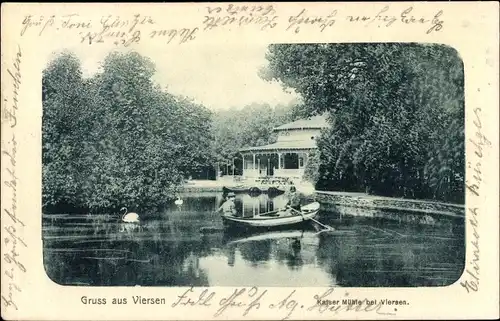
{"points": [[272, 220]]}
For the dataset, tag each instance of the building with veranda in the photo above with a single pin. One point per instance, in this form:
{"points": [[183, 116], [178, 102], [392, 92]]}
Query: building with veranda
{"points": [[288, 156]]}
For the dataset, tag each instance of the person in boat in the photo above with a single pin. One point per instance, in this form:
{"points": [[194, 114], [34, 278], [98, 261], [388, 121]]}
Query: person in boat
{"points": [[228, 208], [294, 202]]}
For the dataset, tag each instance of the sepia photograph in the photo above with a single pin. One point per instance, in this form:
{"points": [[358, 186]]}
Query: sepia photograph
{"points": [[326, 164], [250, 161]]}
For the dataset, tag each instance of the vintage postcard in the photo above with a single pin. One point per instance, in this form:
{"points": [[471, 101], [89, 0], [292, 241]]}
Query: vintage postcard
{"points": [[250, 161]]}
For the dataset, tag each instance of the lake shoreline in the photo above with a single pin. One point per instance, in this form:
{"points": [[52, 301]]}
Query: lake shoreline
{"points": [[397, 209], [348, 204], [169, 248], [361, 204]]}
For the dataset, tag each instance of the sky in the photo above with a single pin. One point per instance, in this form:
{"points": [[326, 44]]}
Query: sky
{"points": [[216, 76]]}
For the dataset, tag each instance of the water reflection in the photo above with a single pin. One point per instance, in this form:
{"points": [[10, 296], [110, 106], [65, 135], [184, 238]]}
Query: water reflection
{"points": [[252, 205], [167, 249]]}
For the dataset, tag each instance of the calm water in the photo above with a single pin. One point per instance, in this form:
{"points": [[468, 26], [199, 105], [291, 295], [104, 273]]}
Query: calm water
{"points": [[169, 250]]}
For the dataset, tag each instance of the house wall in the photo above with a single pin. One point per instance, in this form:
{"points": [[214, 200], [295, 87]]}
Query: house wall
{"points": [[283, 136], [298, 135], [284, 171], [296, 173]]}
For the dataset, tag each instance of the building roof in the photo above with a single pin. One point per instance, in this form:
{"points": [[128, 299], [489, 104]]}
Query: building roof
{"points": [[286, 145], [314, 122]]}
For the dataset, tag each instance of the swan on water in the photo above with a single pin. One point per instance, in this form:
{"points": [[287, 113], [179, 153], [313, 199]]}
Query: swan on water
{"points": [[178, 201], [129, 217]]}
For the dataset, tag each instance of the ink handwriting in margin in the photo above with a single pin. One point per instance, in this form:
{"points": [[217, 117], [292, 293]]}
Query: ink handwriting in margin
{"points": [[45, 23], [236, 300], [383, 18], [473, 187], [119, 30], [129, 30], [304, 18], [13, 225], [246, 300], [364, 305], [263, 16], [116, 29]]}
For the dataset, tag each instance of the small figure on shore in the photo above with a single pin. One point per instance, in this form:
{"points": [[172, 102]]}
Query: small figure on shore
{"points": [[179, 201], [228, 208]]}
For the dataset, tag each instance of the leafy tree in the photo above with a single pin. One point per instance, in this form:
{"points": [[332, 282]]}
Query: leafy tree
{"points": [[251, 125], [396, 110], [311, 172], [62, 152], [116, 139]]}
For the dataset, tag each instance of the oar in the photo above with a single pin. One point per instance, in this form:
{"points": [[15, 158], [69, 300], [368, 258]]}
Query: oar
{"points": [[328, 227], [268, 213]]}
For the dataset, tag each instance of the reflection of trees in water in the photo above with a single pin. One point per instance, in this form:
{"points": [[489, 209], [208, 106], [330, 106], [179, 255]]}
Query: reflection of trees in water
{"points": [[250, 205], [231, 254], [129, 263], [195, 202], [256, 251], [101, 250], [296, 248], [246, 205], [163, 251], [201, 203], [357, 260], [167, 250], [293, 258], [288, 251], [377, 258]]}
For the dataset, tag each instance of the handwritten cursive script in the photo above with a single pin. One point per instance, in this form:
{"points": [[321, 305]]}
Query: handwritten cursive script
{"points": [[10, 108], [203, 298], [13, 224], [246, 300], [128, 30], [256, 15], [65, 22], [473, 186], [303, 18], [384, 18], [118, 30]]}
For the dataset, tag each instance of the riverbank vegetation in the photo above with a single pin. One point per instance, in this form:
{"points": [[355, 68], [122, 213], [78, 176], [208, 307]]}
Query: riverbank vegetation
{"points": [[396, 110], [117, 139], [252, 125]]}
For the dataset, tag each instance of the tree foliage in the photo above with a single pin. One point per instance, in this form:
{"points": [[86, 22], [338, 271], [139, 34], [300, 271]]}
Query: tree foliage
{"points": [[396, 110], [116, 139], [251, 125], [311, 171]]}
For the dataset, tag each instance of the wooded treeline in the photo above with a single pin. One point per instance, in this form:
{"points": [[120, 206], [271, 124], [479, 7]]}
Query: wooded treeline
{"points": [[251, 125], [396, 110], [117, 139]]}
